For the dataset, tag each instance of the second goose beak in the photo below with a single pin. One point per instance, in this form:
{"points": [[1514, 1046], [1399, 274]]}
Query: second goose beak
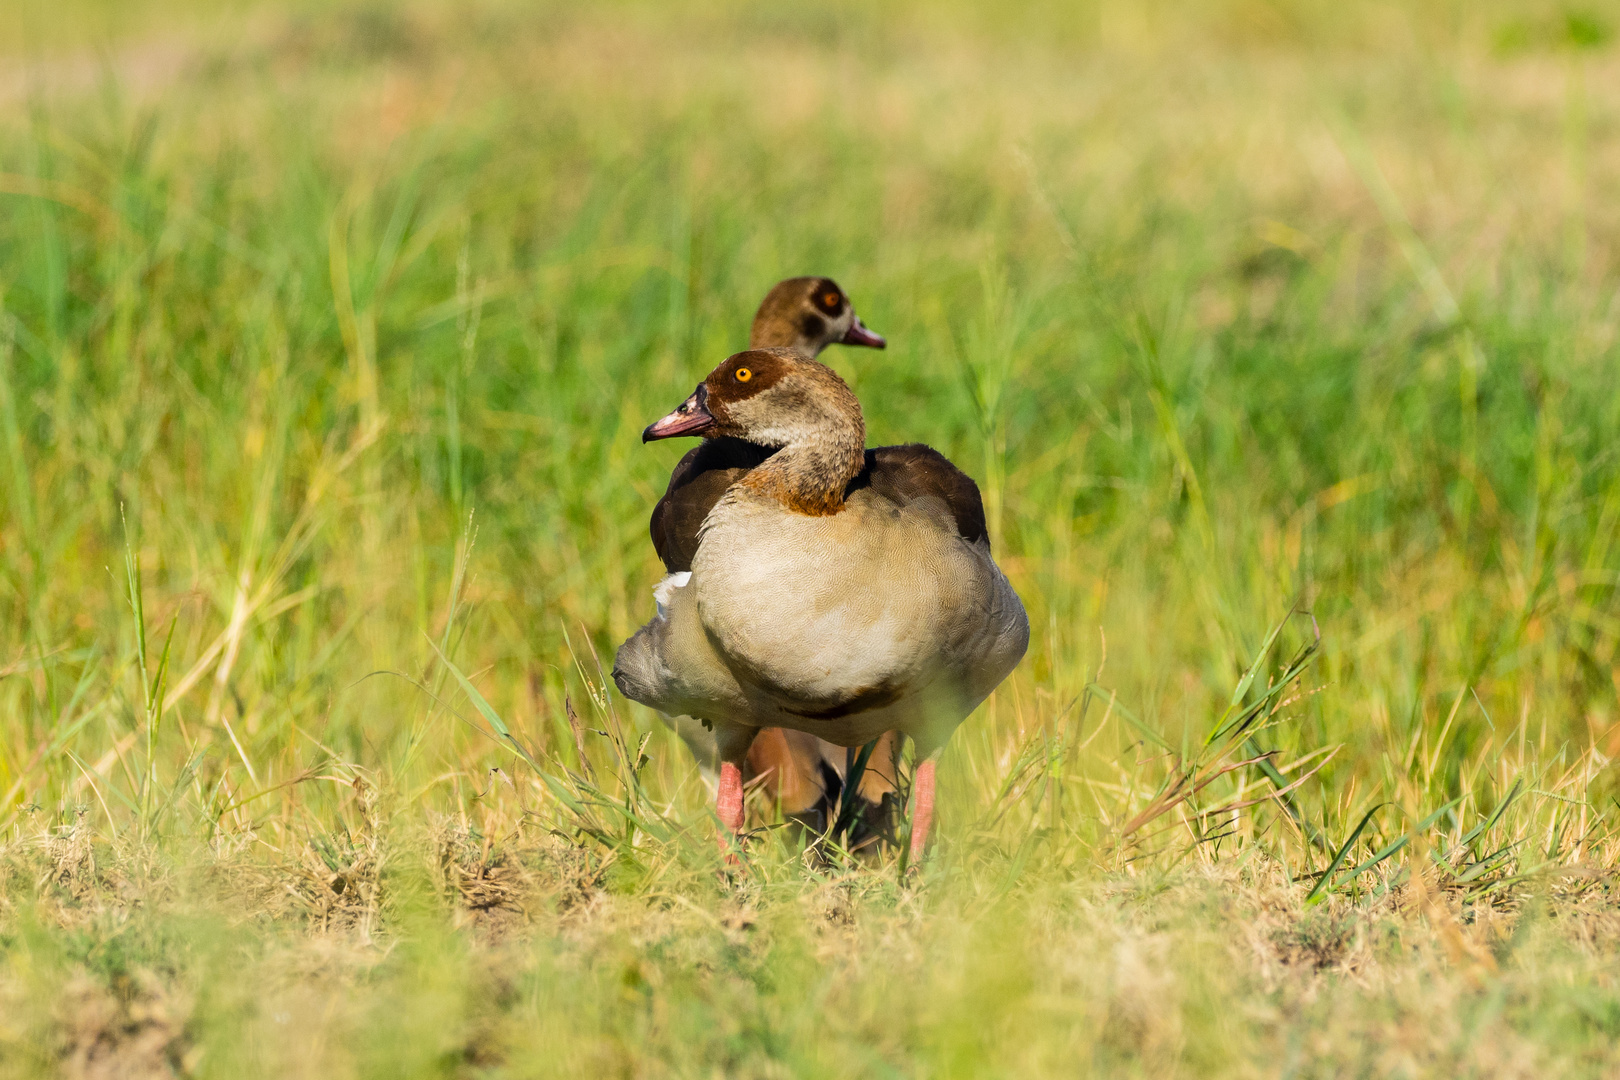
{"points": [[858, 334], [692, 418]]}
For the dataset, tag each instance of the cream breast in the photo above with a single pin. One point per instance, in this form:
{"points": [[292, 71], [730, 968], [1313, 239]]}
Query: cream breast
{"points": [[818, 607]]}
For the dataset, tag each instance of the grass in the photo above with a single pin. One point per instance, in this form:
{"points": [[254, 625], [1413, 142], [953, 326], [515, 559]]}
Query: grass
{"points": [[1280, 336]]}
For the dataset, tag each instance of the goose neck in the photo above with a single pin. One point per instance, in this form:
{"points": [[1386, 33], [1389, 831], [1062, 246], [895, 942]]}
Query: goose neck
{"points": [[810, 476]]}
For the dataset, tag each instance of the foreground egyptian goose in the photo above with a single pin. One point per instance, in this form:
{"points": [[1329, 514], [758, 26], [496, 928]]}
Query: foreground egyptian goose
{"points": [[834, 590], [797, 772]]}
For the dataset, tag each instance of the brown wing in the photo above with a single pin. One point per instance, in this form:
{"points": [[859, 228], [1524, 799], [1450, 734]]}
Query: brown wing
{"points": [[906, 473], [697, 483]]}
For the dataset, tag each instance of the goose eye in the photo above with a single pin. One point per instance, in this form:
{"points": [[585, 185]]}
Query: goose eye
{"points": [[829, 300], [743, 374]]}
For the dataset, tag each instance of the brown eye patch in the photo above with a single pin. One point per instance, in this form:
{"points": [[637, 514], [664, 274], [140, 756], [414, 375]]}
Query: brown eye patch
{"points": [[828, 297], [743, 376]]}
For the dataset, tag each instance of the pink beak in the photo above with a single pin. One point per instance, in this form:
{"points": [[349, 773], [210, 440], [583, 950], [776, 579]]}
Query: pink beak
{"points": [[692, 418], [858, 334]]}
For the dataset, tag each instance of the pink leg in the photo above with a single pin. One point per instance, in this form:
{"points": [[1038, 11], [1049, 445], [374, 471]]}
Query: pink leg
{"points": [[922, 809], [728, 803]]}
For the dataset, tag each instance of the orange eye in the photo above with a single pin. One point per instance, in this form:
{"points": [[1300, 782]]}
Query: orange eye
{"points": [[743, 374], [829, 300]]}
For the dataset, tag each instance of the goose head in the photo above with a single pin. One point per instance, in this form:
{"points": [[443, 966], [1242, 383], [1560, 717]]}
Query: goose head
{"points": [[806, 314], [778, 399]]}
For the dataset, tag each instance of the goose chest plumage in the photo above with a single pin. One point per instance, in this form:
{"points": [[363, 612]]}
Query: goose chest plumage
{"points": [[834, 590]]}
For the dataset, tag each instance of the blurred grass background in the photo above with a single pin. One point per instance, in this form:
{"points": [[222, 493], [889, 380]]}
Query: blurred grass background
{"points": [[326, 334]]}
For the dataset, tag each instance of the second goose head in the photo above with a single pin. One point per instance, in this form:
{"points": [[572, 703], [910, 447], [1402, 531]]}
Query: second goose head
{"points": [[806, 314], [777, 399]]}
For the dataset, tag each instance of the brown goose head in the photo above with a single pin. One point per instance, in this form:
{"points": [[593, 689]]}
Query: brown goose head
{"points": [[777, 398], [769, 397], [806, 314]]}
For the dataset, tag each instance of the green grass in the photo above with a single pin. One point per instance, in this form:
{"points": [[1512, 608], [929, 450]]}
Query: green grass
{"points": [[1280, 336]]}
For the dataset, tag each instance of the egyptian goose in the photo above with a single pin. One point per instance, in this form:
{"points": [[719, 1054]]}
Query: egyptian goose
{"points": [[835, 590], [798, 772]]}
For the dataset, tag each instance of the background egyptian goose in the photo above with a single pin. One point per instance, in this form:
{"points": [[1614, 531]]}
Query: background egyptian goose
{"points": [[799, 773], [834, 590]]}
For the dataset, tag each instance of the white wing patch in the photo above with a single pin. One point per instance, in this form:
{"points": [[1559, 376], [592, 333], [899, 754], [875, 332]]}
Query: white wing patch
{"points": [[665, 590]]}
